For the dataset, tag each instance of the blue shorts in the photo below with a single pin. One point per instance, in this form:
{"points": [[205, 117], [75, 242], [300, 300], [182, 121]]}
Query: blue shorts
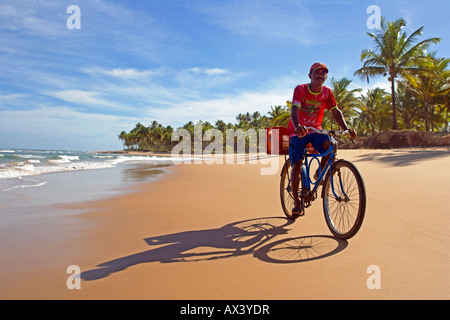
{"points": [[297, 145]]}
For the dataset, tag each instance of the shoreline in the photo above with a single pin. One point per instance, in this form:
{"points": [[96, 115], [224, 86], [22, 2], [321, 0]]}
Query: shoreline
{"points": [[182, 237]]}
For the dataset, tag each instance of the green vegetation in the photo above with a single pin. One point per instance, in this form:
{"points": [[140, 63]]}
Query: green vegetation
{"points": [[395, 55], [419, 101]]}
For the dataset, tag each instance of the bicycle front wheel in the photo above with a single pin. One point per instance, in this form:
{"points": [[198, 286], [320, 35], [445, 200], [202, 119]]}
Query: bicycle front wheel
{"points": [[344, 200]]}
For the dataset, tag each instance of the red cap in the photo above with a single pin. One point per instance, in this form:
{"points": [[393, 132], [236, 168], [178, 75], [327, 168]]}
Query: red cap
{"points": [[318, 65]]}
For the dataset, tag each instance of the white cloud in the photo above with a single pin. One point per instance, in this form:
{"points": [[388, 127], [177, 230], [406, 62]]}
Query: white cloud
{"points": [[6, 99], [88, 100], [215, 71], [62, 128], [212, 71], [79, 96], [36, 19], [225, 108], [124, 73], [197, 80], [136, 89]]}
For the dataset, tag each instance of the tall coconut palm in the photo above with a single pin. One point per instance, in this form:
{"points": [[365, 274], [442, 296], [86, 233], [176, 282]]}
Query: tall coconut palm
{"points": [[395, 55], [445, 98], [431, 86], [373, 111], [345, 99], [279, 116], [275, 111], [409, 107]]}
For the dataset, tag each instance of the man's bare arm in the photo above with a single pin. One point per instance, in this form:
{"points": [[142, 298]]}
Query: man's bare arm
{"points": [[294, 116], [337, 114]]}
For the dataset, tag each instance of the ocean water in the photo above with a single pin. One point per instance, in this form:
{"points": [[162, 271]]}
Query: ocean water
{"points": [[32, 181]]}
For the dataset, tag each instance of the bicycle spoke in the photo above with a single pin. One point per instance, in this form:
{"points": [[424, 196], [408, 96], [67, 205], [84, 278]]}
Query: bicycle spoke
{"points": [[342, 206]]}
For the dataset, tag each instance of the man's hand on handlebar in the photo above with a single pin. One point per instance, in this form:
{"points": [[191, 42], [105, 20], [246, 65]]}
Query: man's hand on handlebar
{"points": [[301, 131], [352, 133]]}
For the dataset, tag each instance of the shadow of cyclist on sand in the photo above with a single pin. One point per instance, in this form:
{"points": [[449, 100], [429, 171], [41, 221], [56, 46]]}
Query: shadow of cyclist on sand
{"points": [[231, 240]]}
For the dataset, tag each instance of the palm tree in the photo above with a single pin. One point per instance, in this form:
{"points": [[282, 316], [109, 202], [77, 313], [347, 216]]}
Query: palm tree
{"points": [[275, 111], [279, 116], [123, 137], [430, 87], [139, 135], [395, 55], [220, 125], [409, 107], [345, 99], [373, 112], [243, 120], [446, 100]]}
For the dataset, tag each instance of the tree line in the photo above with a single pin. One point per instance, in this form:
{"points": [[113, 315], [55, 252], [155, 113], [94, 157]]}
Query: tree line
{"points": [[418, 99]]}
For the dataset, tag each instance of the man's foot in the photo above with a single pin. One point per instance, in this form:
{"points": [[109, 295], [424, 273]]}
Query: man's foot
{"points": [[298, 212]]}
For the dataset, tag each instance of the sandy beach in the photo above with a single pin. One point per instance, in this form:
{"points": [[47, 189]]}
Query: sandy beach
{"points": [[217, 231]]}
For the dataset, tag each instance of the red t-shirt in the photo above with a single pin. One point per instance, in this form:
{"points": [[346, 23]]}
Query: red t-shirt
{"points": [[311, 106]]}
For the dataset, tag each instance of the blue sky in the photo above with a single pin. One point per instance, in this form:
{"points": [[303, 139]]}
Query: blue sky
{"points": [[174, 61]]}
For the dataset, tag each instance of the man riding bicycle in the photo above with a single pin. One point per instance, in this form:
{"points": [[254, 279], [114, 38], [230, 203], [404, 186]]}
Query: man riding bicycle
{"points": [[308, 106]]}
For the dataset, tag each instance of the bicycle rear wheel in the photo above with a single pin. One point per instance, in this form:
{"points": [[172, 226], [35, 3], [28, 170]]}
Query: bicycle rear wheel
{"points": [[286, 196], [344, 208]]}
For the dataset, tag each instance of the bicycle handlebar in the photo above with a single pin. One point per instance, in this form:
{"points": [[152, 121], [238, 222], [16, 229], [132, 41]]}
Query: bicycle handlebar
{"points": [[332, 133], [323, 131]]}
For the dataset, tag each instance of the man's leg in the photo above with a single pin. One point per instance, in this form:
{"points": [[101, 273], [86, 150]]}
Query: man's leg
{"points": [[323, 162], [295, 182], [324, 146], [296, 148]]}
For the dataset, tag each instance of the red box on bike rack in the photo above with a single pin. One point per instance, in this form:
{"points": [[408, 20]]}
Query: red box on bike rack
{"points": [[279, 134]]}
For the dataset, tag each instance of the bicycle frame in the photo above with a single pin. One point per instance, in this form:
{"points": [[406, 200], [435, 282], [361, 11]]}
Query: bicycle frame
{"points": [[306, 166], [308, 159], [306, 177]]}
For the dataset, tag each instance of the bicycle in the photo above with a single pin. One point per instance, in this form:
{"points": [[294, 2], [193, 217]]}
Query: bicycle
{"points": [[343, 190]]}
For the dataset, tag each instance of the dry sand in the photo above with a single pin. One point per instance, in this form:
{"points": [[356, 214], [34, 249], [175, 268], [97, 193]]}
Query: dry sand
{"points": [[218, 232]]}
